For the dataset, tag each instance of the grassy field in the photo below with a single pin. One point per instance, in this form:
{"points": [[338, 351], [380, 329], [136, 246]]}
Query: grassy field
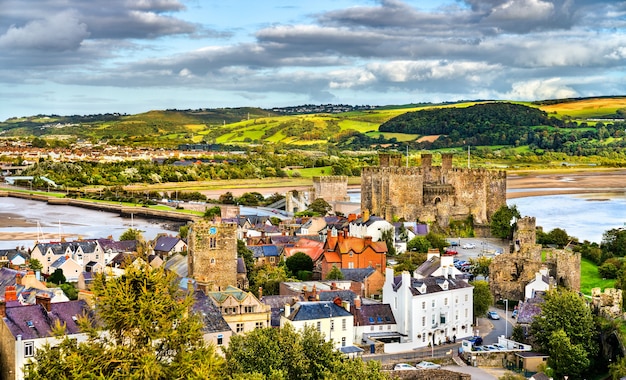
{"points": [[589, 278], [586, 108]]}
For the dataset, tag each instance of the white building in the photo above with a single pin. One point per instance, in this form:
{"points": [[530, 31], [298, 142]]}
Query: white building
{"points": [[429, 310], [333, 321], [541, 283], [373, 226]]}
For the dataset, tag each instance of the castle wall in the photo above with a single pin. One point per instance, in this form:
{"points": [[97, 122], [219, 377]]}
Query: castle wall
{"points": [[331, 188], [212, 256]]}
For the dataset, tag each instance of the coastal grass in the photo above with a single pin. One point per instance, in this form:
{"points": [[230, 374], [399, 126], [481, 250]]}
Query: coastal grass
{"points": [[590, 278]]}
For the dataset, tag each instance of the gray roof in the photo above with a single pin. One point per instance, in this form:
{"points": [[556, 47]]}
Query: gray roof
{"points": [[305, 311], [33, 321], [11, 254], [350, 349], [87, 246], [277, 306], [212, 318], [241, 266], [374, 314], [118, 245], [264, 250], [429, 266], [166, 243], [357, 274], [433, 284], [178, 264]]}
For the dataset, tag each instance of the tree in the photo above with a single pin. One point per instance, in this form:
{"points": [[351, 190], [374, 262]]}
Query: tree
{"points": [[212, 212], [437, 241], [152, 333], [614, 243], [34, 265], [482, 298], [227, 198], [69, 290], [132, 234], [419, 244], [559, 237], [566, 311], [268, 277], [320, 207], [334, 274], [247, 255], [289, 354], [57, 277], [480, 266], [388, 237], [299, 261], [501, 221], [567, 358]]}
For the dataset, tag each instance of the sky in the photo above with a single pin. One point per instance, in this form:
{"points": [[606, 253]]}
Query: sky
{"points": [[69, 57]]}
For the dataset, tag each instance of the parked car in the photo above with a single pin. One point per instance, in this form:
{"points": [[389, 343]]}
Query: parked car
{"points": [[493, 315], [453, 243], [475, 340], [499, 346], [403, 367], [427, 365], [469, 246], [450, 252]]}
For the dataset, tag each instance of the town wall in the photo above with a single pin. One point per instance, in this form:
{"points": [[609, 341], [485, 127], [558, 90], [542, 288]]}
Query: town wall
{"points": [[331, 188], [212, 256], [437, 194]]}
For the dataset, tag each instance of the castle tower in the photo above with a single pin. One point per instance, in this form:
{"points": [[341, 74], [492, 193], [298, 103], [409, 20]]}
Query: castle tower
{"points": [[427, 166], [390, 159], [331, 188], [446, 161], [212, 255], [525, 238]]}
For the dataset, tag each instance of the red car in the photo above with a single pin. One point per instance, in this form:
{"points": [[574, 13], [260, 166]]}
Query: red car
{"points": [[450, 252]]}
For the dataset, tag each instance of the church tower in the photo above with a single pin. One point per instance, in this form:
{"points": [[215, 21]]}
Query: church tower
{"points": [[212, 255]]}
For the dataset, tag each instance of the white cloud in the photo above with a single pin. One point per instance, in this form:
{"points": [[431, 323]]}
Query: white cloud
{"points": [[552, 88], [61, 31]]}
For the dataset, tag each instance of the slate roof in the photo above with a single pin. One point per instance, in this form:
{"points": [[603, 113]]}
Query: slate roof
{"points": [[19, 319], [374, 314], [344, 295], [118, 245], [178, 264], [277, 306], [357, 274], [7, 277], [371, 220], [432, 284], [11, 254], [59, 262], [166, 243], [241, 266], [306, 311], [267, 250], [350, 349], [211, 316], [429, 266], [121, 259]]}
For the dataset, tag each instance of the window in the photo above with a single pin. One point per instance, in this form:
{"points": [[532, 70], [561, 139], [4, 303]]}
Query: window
{"points": [[442, 319], [248, 309], [220, 340], [259, 325], [332, 325], [351, 254], [423, 337], [433, 319], [351, 265], [212, 242], [319, 326], [212, 260], [456, 315], [239, 327], [456, 299], [272, 259], [423, 321], [343, 324], [433, 303], [424, 305], [445, 301], [29, 349], [343, 341], [97, 256], [466, 298]]}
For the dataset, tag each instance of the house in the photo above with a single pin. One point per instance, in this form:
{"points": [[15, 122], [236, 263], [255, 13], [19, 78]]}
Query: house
{"points": [[25, 329], [277, 306], [265, 254], [178, 264], [374, 322], [112, 248], [350, 252], [313, 248], [71, 268], [334, 321], [541, 283], [373, 226], [240, 309], [428, 311], [405, 232], [14, 257], [530, 361], [370, 280], [215, 329], [80, 252], [165, 246]]}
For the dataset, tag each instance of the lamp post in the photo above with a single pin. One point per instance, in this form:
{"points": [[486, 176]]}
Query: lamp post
{"points": [[506, 319]]}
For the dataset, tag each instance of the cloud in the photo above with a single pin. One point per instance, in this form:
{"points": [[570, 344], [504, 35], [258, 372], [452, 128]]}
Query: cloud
{"points": [[60, 32], [551, 88]]}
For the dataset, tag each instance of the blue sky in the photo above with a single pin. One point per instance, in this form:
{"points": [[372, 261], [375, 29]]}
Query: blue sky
{"points": [[83, 57]]}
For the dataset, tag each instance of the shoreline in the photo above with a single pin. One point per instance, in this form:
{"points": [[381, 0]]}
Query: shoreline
{"points": [[532, 184]]}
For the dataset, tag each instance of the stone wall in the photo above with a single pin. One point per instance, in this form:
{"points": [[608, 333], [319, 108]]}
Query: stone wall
{"points": [[212, 256], [429, 374], [331, 188], [429, 193]]}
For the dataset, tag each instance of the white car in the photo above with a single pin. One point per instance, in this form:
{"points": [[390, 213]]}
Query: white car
{"points": [[427, 365], [469, 246], [403, 367]]}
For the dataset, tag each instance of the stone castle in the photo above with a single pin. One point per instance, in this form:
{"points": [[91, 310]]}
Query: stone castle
{"points": [[437, 194], [333, 189], [509, 273], [212, 257]]}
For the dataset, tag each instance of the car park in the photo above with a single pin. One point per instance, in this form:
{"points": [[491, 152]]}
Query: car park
{"points": [[427, 365], [493, 315], [468, 246], [403, 367]]}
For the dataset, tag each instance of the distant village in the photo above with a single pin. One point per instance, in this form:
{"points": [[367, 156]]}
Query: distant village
{"points": [[367, 310]]}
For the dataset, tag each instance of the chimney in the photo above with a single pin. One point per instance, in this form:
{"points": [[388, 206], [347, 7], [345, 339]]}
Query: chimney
{"points": [[260, 292], [10, 294], [3, 308], [351, 217], [340, 236], [43, 300], [357, 302], [18, 279], [368, 240], [287, 310]]}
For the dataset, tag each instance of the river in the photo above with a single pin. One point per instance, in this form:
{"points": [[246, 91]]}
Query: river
{"points": [[37, 218]]}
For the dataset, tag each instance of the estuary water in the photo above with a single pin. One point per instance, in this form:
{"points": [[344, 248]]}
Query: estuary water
{"points": [[37, 218]]}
